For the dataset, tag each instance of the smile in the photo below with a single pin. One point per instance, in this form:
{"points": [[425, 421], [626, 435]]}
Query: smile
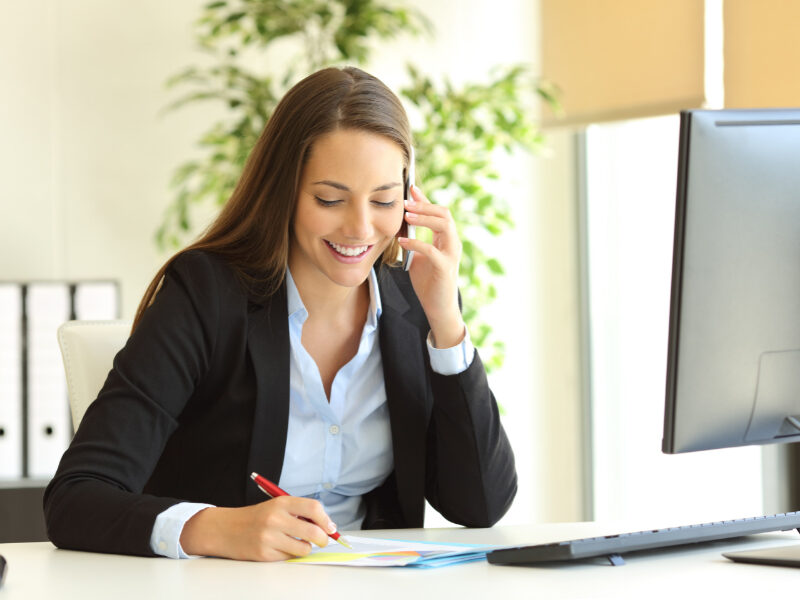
{"points": [[351, 251]]}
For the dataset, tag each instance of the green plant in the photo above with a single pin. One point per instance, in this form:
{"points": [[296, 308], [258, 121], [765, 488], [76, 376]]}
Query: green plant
{"points": [[463, 128]]}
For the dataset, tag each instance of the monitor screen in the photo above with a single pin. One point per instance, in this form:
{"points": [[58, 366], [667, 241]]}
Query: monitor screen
{"points": [[733, 368]]}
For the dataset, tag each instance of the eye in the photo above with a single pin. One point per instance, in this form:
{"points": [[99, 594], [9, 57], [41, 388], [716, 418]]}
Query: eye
{"points": [[388, 204], [323, 202]]}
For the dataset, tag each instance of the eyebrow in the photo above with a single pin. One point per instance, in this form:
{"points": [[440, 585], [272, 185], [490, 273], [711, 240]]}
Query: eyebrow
{"points": [[344, 188]]}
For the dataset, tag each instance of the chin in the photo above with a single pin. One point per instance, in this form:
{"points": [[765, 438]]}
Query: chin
{"points": [[351, 279]]}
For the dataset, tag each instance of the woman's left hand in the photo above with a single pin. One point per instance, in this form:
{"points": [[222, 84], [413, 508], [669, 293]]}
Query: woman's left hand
{"points": [[434, 268]]}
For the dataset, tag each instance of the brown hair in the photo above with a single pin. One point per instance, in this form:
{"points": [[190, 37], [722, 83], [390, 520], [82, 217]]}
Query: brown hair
{"points": [[253, 228]]}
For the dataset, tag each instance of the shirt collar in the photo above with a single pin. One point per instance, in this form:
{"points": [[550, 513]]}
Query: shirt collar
{"points": [[296, 306]]}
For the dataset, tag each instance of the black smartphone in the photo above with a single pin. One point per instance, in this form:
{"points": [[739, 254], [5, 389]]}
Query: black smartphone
{"points": [[408, 255]]}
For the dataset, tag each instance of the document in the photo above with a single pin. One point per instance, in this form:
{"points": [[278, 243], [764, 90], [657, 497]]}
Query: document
{"points": [[374, 552]]}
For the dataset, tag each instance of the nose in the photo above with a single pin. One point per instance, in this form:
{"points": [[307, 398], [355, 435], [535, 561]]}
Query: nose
{"points": [[358, 224]]}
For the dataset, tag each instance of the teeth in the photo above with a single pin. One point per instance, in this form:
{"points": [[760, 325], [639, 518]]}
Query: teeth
{"points": [[348, 250]]}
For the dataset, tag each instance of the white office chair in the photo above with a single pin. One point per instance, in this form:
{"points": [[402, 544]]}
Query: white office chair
{"points": [[88, 349]]}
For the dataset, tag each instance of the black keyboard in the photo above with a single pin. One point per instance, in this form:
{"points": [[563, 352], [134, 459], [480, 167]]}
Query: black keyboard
{"points": [[611, 546]]}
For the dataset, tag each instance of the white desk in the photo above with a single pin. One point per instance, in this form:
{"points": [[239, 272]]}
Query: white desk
{"points": [[40, 571]]}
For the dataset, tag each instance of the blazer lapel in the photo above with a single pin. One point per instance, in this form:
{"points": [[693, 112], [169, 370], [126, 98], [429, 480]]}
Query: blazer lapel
{"points": [[405, 381], [268, 343]]}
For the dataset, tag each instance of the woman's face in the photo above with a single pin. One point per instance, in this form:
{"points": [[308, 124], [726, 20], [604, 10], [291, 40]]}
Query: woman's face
{"points": [[349, 207]]}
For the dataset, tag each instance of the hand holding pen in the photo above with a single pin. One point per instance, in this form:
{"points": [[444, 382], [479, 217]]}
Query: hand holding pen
{"points": [[281, 528], [273, 491]]}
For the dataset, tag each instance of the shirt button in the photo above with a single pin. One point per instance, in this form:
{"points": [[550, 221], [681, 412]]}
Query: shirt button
{"points": [[327, 485], [162, 546], [334, 429]]}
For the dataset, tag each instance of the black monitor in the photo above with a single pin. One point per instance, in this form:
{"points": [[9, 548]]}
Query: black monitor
{"points": [[733, 368]]}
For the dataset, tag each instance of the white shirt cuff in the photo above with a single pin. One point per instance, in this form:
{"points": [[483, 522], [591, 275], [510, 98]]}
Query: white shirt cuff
{"points": [[454, 360], [166, 535]]}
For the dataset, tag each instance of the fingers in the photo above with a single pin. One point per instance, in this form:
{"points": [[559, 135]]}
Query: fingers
{"points": [[419, 246], [282, 547], [278, 534], [304, 519], [282, 528], [417, 197], [420, 211], [436, 223], [446, 246]]}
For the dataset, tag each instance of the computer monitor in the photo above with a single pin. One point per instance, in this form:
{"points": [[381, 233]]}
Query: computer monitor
{"points": [[733, 367]]}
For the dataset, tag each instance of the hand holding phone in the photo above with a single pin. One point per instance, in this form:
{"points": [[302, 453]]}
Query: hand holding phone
{"points": [[408, 255], [435, 277]]}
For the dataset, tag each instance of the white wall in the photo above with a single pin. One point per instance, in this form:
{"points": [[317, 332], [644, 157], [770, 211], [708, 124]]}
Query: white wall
{"points": [[85, 155], [86, 159]]}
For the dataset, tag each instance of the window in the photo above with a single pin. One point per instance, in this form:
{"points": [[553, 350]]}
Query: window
{"points": [[630, 174]]}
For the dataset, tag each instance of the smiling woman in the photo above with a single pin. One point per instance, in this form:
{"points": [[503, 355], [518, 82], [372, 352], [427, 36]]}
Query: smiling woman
{"points": [[287, 341]]}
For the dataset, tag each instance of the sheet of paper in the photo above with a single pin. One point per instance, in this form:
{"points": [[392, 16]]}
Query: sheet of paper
{"points": [[374, 552]]}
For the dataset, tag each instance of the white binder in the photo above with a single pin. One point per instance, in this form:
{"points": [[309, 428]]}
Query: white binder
{"points": [[11, 439], [49, 427]]}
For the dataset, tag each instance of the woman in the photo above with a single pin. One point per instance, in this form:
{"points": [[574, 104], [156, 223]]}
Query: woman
{"points": [[287, 342]]}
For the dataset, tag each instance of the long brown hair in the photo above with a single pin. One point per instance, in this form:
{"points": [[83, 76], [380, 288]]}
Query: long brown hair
{"points": [[252, 230]]}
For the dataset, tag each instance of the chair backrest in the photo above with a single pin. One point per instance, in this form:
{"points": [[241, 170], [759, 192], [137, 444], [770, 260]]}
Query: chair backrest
{"points": [[88, 349]]}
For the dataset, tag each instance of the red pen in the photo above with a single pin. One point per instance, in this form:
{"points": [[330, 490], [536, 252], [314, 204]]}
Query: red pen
{"points": [[273, 491]]}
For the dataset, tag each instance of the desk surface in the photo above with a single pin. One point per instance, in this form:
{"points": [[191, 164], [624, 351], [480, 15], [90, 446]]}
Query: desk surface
{"points": [[40, 571]]}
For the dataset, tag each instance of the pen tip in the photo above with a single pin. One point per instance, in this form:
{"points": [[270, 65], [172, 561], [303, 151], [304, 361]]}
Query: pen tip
{"points": [[344, 542], [253, 475]]}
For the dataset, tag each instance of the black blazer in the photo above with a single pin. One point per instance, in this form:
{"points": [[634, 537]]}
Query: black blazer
{"points": [[199, 398]]}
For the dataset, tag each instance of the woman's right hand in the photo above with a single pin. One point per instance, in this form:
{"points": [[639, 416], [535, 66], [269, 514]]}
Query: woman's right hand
{"points": [[267, 531]]}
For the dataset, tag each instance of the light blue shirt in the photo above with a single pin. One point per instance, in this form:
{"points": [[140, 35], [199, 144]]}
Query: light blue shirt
{"points": [[339, 450], [336, 451]]}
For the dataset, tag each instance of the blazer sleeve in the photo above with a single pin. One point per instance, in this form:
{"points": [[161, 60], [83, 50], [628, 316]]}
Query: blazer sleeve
{"points": [[95, 501], [470, 474]]}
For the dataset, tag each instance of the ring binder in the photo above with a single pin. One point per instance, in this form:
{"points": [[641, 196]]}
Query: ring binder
{"points": [[11, 438], [35, 423]]}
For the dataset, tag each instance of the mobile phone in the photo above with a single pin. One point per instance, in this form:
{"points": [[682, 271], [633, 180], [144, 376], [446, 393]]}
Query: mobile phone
{"points": [[408, 255]]}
